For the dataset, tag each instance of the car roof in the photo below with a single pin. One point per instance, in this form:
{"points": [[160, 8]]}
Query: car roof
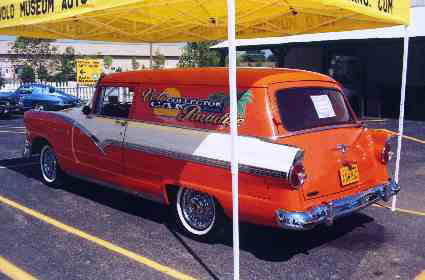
{"points": [[246, 77]]}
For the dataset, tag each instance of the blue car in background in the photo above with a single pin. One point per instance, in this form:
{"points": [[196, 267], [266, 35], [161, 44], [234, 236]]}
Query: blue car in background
{"points": [[45, 97], [10, 102]]}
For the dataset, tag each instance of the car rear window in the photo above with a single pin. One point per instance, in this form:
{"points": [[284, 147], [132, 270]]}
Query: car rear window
{"points": [[304, 108]]}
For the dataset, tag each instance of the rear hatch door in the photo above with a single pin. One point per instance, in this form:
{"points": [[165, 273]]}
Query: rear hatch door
{"points": [[327, 153], [318, 120]]}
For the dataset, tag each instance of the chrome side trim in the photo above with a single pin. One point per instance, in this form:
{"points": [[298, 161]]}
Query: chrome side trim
{"points": [[327, 213], [139, 139], [205, 160], [116, 187]]}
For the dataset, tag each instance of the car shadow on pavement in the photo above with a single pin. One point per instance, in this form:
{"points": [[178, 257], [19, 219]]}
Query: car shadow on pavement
{"points": [[116, 199], [279, 245], [8, 118], [265, 243]]}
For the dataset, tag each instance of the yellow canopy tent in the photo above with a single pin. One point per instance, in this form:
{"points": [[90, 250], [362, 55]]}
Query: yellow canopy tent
{"points": [[198, 20], [191, 20]]}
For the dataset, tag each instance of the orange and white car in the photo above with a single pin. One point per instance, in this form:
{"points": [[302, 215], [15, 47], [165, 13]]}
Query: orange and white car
{"points": [[305, 159]]}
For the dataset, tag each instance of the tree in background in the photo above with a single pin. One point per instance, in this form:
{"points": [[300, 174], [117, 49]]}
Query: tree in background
{"points": [[66, 66], [107, 61], [32, 53], [238, 60], [158, 60], [199, 55], [26, 74], [43, 74], [135, 64]]}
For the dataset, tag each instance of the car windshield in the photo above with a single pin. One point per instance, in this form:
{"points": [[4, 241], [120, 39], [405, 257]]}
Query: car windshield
{"points": [[305, 108]]}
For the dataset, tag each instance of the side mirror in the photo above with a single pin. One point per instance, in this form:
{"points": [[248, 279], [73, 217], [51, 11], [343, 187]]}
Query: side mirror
{"points": [[51, 90], [86, 110]]}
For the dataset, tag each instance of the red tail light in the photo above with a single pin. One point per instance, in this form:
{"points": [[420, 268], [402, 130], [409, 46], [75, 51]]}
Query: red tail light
{"points": [[386, 153], [297, 173]]}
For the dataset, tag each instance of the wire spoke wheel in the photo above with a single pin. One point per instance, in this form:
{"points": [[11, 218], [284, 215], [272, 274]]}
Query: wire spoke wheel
{"points": [[196, 211], [48, 164]]}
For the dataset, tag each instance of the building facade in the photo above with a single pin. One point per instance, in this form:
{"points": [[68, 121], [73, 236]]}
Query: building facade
{"points": [[368, 63], [122, 55]]}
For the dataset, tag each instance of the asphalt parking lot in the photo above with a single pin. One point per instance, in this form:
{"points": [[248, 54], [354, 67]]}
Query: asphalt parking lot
{"points": [[85, 231]]}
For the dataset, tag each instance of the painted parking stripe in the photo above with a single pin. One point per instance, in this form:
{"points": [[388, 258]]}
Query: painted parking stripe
{"points": [[375, 120], [405, 136], [421, 276], [413, 212], [100, 242], [13, 272], [414, 139], [418, 213]]}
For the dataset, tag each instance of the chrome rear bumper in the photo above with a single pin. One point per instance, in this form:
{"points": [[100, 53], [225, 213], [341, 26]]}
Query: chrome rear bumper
{"points": [[327, 213]]}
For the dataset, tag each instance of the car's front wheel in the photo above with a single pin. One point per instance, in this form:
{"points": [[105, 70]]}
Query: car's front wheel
{"points": [[51, 173], [198, 214]]}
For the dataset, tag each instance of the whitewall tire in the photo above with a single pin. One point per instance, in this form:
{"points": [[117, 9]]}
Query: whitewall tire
{"points": [[51, 173], [197, 214]]}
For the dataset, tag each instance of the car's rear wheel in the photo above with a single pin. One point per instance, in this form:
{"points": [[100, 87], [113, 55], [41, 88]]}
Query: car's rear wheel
{"points": [[198, 214], [51, 173]]}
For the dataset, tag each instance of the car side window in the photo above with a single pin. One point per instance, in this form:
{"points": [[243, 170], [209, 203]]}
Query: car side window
{"points": [[114, 102]]}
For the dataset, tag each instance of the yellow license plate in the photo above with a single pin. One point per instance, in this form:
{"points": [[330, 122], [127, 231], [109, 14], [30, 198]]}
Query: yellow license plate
{"points": [[349, 175]]}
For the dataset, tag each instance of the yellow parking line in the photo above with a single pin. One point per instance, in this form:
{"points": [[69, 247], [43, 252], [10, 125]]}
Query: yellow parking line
{"points": [[13, 272], [418, 213], [421, 276], [375, 120], [108, 245], [414, 139], [405, 136]]}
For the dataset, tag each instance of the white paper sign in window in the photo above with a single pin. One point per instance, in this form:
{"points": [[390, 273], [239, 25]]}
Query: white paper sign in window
{"points": [[323, 106]]}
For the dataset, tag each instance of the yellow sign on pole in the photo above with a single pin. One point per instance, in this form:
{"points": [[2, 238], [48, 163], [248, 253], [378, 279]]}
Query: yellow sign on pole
{"points": [[88, 71]]}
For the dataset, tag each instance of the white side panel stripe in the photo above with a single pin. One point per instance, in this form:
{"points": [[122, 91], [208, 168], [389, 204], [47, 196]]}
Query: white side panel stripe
{"points": [[254, 152], [255, 155]]}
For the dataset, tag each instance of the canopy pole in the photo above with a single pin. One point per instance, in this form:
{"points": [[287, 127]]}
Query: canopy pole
{"points": [[231, 29], [401, 117]]}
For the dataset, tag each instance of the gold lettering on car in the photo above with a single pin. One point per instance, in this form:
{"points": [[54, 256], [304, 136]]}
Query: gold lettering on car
{"points": [[211, 110]]}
